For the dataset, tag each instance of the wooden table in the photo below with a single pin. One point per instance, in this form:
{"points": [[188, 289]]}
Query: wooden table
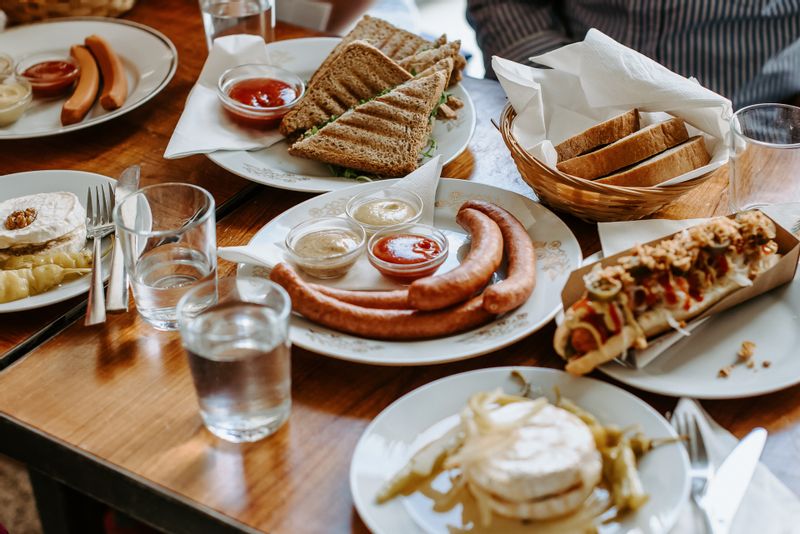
{"points": [[110, 412]]}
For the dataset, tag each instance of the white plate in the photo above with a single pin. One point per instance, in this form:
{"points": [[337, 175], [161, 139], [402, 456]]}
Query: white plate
{"points": [[149, 58], [411, 422], [28, 183], [557, 253], [689, 368], [274, 166]]}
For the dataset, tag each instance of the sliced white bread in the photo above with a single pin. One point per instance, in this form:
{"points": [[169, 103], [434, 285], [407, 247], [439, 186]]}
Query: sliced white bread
{"points": [[601, 134], [678, 160], [631, 149], [384, 136], [359, 73]]}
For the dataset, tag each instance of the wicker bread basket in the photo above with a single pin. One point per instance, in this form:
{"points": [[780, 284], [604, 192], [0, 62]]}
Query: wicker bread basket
{"points": [[586, 199], [19, 11]]}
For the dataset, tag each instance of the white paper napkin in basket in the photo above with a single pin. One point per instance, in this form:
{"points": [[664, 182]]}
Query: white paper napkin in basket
{"points": [[596, 79], [616, 237], [204, 125], [768, 507]]}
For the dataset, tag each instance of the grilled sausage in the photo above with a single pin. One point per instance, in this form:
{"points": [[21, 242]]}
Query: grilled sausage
{"points": [[382, 300]]}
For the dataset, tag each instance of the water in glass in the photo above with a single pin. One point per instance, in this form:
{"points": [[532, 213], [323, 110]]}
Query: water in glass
{"points": [[252, 17]]}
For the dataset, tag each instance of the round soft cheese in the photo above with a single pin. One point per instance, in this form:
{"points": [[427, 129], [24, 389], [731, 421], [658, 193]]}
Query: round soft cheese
{"points": [[57, 214], [548, 456]]}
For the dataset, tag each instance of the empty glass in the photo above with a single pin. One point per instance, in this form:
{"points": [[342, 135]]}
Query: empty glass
{"points": [[765, 156], [168, 237], [229, 17], [236, 334]]}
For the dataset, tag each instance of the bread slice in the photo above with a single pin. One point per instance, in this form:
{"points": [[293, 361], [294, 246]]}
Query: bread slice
{"points": [[359, 73], [384, 136], [678, 160], [445, 65], [423, 60], [392, 41], [604, 133], [631, 149]]}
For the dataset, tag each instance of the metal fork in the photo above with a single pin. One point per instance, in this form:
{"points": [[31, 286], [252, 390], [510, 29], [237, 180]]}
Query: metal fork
{"points": [[702, 470], [99, 224]]}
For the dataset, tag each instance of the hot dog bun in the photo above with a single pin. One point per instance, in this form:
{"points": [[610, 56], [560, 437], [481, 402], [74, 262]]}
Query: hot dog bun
{"points": [[78, 105], [115, 84]]}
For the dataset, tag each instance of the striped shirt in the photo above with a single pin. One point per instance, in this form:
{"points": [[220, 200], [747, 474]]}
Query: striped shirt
{"points": [[746, 50]]}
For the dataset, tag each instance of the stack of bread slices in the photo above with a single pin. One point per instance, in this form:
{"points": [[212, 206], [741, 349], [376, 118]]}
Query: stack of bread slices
{"points": [[620, 152]]}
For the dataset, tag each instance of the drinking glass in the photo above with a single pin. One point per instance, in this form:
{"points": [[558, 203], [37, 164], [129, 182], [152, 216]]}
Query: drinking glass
{"points": [[168, 237], [765, 156], [236, 334], [228, 17]]}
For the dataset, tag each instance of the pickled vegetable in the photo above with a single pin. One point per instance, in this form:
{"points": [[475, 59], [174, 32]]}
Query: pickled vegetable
{"points": [[68, 260], [21, 283]]}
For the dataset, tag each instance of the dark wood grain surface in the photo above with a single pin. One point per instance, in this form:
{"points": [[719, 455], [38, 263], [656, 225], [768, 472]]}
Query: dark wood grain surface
{"points": [[121, 395]]}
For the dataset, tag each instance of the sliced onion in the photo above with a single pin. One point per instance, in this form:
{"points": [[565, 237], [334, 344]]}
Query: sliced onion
{"points": [[676, 325]]}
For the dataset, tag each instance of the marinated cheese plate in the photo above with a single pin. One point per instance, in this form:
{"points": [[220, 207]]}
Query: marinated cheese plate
{"points": [[148, 57], [430, 411], [274, 166], [29, 183], [557, 254]]}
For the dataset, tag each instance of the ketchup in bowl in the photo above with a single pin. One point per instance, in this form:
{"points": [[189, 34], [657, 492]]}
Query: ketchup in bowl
{"points": [[51, 77], [407, 253], [259, 96], [406, 249]]}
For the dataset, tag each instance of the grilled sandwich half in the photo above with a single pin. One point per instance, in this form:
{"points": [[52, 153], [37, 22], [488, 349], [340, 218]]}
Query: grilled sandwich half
{"points": [[384, 136], [358, 73]]}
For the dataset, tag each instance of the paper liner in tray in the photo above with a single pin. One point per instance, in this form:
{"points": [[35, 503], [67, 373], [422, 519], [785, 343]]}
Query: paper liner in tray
{"points": [[779, 274]]}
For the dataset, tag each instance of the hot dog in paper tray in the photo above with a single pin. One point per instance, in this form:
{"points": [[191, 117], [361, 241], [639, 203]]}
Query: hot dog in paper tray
{"points": [[621, 302]]}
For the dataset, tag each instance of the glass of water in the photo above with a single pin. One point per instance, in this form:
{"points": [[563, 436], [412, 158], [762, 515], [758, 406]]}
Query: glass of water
{"points": [[229, 17], [765, 156], [168, 237], [236, 334]]}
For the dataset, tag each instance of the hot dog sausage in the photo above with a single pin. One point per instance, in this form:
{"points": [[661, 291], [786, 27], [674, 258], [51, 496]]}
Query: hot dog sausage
{"points": [[521, 256], [377, 324], [382, 300], [78, 105], [485, 255], [115, 84]]}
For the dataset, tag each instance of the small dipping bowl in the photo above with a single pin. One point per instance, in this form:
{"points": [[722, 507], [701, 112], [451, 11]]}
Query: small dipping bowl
{"points": [[320, 247], [408, 272], [376, 210], [15, 97], [6, 65], [48, 74], [265, 84]]}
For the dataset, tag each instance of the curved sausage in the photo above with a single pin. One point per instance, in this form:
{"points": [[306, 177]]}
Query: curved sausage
{"points": [[485, 255], [382, 300], [377, 324], [78, 105], [521, 256], [115, 84]]}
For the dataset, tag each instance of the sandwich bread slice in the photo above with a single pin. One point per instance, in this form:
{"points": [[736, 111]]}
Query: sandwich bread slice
{"points": [[425, 59], [392, 41], [359, 73], [631, 149], [384, 136], [601, 134], [687, 156]]}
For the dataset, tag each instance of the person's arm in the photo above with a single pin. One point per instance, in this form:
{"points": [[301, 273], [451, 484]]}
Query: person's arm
{"points": [[515, 29], [345, 12]]}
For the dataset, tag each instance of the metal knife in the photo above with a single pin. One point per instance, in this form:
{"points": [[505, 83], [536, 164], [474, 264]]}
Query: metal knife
{"points": [[730, 482], [117, 292]]}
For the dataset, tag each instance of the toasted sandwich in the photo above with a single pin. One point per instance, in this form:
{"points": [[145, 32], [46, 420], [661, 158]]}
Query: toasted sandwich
{"points": [[358, 73], [384, 136], [425, 59]]}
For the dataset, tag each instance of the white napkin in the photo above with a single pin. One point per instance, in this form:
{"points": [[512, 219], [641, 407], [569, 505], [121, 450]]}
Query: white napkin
{"points": [[362, 275], [616, 237], [204, 125], [768, 506], [598, 78]]}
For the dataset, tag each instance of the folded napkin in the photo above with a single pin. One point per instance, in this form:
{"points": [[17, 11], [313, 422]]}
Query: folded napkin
{"points": [[596, 79], [768, 506], [616, 237], [204, 125]]}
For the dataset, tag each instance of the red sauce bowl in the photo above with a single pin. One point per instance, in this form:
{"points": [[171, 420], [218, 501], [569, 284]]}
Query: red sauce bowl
{"points": [[258, 96], [400, 269], [49, 75]]}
